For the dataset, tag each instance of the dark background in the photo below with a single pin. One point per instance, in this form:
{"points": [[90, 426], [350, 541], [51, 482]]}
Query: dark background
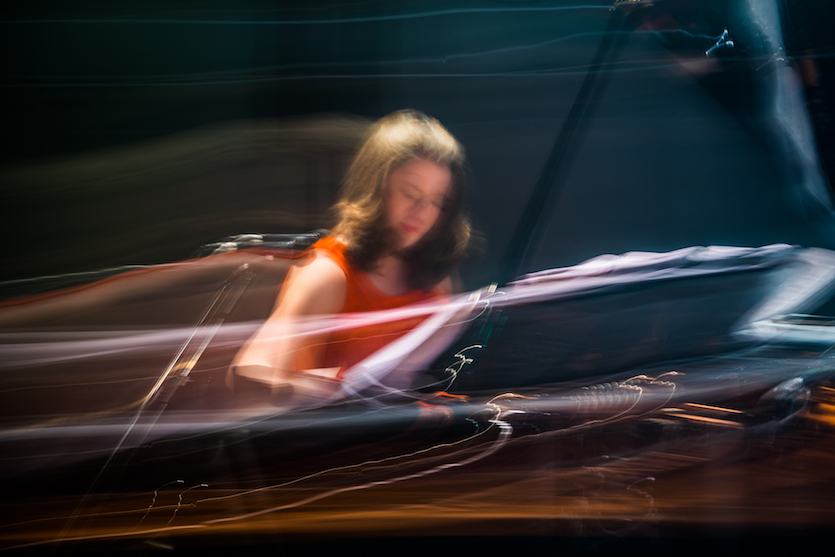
{"points": [[134, 132]]}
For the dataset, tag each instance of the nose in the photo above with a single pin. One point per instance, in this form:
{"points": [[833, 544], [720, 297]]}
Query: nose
{"points": [[421, 203]]}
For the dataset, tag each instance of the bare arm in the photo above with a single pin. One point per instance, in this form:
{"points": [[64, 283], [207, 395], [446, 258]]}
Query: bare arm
{"points": [[275, 356]]}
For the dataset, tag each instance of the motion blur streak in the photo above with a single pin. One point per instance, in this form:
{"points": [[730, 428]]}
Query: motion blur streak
{"points": [[669, 393], [597, 480], [394, 464], [441, 65], [434, 13], [505, 431]]}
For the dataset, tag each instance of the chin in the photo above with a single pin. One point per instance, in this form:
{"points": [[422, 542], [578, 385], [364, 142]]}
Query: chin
{"points": [[408, 241]]}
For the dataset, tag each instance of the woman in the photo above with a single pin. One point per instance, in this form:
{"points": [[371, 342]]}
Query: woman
{"points": [[401, 232]]}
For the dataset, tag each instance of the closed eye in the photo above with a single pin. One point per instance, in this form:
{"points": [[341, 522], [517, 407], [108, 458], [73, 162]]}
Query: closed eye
{"points": [[409, 193]]}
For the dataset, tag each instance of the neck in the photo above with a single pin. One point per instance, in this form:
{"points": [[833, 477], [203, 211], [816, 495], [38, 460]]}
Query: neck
{"points": [[391, 275], [391, 266]]}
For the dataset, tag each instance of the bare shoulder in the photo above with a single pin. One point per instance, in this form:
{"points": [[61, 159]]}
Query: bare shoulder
{"points": [[317, 286]]}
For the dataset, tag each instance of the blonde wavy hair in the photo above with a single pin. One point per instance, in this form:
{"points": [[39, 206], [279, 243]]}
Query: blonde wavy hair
{"points": [[361, 219]]}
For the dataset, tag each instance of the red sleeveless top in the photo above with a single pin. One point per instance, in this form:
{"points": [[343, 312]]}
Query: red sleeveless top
{"points": [[349, 347]]}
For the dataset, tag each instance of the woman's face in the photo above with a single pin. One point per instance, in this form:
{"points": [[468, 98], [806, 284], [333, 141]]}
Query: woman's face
{"points": [[417, 194]]}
